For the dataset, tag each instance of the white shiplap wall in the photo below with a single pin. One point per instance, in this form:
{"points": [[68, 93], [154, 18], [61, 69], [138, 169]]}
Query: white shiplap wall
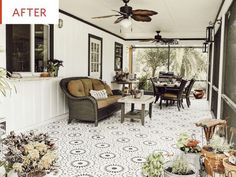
{"points": [[39, 101]]}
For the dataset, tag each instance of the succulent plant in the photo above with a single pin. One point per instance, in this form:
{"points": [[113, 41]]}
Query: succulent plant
{"points": [[180, 166], [154, 166], [219, 144]]}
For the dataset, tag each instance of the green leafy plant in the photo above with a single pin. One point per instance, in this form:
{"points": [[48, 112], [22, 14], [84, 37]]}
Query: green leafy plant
{"points": [[143, 82], [4, 84], [154, 166], [188, 144], [54, 65]]}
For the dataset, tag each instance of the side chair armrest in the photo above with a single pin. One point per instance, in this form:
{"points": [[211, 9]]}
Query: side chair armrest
{"points": [[117, 92]]}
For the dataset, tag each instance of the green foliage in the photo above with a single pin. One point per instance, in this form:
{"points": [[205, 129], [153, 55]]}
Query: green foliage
{"points": [[4, 84], [154, 58], [180, 166], [188, 144], [154, 166], [142, 85]]}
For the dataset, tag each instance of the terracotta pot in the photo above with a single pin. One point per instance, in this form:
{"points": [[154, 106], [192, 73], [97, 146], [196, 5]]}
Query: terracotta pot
{"points": [[213, 161], [198, 94]]}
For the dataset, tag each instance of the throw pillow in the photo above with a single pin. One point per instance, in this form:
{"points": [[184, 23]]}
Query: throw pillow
{"points": [[100, 94], [108, 89]]}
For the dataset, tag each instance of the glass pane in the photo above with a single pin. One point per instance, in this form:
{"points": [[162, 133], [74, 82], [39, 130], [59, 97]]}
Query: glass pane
{"points": [[229, 114], [214, 102], [41, 47], [230, 57], [150, 61], [18, 48], [189, 62], [216, 58]]}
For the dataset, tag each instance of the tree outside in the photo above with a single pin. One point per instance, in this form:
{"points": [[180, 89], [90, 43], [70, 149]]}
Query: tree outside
{"points": [[186, 62]]}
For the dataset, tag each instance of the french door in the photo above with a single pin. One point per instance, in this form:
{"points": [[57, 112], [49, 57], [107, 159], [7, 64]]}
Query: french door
{"points": [[95, 57]]}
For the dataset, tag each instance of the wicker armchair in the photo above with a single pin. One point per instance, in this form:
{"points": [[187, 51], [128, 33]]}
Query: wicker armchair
{"points": [[87, 108]]}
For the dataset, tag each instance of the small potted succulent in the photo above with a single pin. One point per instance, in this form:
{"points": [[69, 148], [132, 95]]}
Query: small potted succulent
{"points": [[190, 146], [180, 167], [53, 67], [154, 166]]}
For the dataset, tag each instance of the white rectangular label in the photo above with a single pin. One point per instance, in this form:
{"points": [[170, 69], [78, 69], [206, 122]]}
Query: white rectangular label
{"points": [[30, 11]]}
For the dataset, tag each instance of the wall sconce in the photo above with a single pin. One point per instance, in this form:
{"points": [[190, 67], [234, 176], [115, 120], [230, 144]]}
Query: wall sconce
{"points": [[210, 34], [205, 47], [60, 23]]}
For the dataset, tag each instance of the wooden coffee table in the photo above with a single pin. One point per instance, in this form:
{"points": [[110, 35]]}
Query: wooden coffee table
{"points": [[136, 113]]}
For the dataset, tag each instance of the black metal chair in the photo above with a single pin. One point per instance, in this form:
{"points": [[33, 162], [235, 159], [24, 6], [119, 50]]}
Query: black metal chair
{"points": [[178, 96], [187, 91], [155, 90]]}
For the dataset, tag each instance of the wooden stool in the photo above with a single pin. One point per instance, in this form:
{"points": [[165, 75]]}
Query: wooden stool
{"points": [[209, 126]]}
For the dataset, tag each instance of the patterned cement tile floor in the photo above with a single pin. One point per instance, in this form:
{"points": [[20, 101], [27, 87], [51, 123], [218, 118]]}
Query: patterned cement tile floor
{"points": [[118, 150]]}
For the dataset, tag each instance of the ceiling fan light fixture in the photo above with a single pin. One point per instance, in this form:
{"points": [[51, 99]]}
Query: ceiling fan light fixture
{"points": [[126, 23]]}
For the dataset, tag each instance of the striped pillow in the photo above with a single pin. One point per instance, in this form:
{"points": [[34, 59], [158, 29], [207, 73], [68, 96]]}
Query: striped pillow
{"points": [[99, 94]]}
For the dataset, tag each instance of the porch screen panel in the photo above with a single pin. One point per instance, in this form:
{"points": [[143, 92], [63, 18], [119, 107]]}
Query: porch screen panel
{"points": [[230, 56], [216, 58], [229, 69], [214, 102]]}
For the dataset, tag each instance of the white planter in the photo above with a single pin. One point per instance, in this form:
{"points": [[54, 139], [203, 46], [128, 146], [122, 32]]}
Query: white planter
{"points": [[12, 173], [168, 174], [194, 158]]}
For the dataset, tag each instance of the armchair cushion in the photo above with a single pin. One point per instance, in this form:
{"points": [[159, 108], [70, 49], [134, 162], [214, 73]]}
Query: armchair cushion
{"points": [[76, 88], [87, 86], [108, 89], [106, 102], [97, 84]]}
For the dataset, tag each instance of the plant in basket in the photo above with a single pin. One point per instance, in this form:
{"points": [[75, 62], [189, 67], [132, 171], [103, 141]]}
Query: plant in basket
{"points": [[29, 155], [188, 144]]}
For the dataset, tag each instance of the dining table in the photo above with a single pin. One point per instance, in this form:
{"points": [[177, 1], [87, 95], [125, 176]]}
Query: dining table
{"points": [[165, 87]]}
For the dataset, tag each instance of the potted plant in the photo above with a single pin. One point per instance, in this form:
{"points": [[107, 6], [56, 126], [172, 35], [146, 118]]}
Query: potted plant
{"points": [[29, 155], [190, 146], [53, 67], [214, 153], [4, 84], [230, 164], [154, 166], [180, 167]]}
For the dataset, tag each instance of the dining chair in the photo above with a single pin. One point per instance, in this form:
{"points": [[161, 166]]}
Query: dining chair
{"points": [[187, 91], [178, 96], [156, 94]]}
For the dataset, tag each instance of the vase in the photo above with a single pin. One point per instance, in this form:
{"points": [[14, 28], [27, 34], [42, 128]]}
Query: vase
{"points": [[194, 158], [56, 72], [52, 74]]}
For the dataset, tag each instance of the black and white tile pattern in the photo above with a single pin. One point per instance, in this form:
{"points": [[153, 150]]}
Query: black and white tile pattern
{"points": [[118, 150]]}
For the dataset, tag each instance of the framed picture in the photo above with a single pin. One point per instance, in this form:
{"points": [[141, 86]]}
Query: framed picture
{"points": [[118, 61], [95, 56]]}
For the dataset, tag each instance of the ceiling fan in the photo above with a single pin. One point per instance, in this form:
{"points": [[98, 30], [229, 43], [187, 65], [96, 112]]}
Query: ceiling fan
{"points": [[158, 39], [127, 12]]}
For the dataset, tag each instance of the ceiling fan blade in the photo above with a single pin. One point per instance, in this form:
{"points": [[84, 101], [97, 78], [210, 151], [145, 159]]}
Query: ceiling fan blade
{"points": [[144, 12], [106, 16], [121, 13], [141, 18], [118, 20]]}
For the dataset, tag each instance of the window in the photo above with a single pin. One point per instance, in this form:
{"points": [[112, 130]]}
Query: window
{"points": [[28, 47], [187, 62]]}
